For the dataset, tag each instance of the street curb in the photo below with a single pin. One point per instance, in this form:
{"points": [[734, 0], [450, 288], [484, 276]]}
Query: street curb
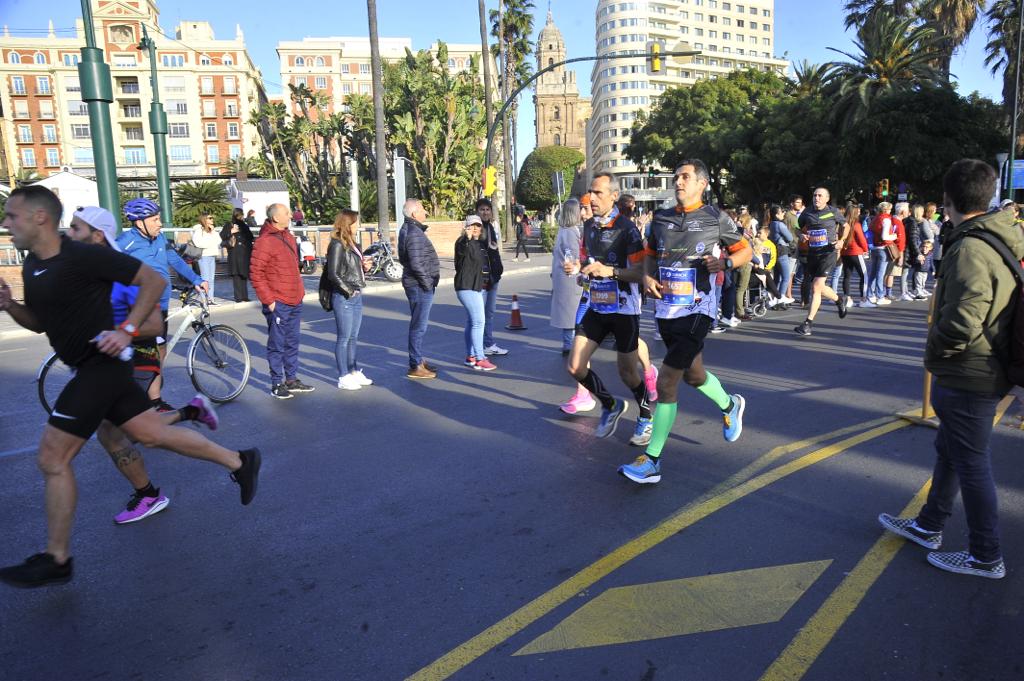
{"points": [[309, 297]]}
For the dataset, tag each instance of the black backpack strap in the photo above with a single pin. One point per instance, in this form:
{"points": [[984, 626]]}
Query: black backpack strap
{"points": [[1002, 249]]}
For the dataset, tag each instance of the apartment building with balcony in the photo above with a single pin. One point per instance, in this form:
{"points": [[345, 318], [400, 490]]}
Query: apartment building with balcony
{"points": [[731, 35], [208, 87]]}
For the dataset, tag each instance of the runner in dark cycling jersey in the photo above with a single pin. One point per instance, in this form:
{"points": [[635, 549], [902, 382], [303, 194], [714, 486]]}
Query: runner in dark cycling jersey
{"points": [[688, 245], [823, 229]]}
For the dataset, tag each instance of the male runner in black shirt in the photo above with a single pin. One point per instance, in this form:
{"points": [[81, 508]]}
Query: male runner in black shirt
{"points": [[823, 229], [67, 296]]}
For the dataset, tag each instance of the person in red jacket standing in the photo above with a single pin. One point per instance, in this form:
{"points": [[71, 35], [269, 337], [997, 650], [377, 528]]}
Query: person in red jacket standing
{"points": [[274, 272], [854, 256]]}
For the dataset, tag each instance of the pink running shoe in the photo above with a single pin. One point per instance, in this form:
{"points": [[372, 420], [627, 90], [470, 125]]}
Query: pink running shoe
{"points": [[207, 414], [651, 379], [581, 401], [141, 507], [484, 365]]}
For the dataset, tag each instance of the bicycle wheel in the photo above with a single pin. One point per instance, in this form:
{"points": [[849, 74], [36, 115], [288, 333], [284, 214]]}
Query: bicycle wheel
{"points": [[53, 376], [218, 363]]}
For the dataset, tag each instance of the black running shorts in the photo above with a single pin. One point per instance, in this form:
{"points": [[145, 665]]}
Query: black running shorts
{"points": [[821, 263], [684, 339], [102, 388], [625, 327]]}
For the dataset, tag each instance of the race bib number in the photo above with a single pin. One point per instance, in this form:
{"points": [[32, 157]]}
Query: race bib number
{"points": [[604, 295], [680, 285], [819, 238]]}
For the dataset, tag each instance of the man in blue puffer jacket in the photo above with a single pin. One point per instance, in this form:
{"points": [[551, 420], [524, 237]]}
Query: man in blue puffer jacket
{"points": [[146, 243], [420, 274]]}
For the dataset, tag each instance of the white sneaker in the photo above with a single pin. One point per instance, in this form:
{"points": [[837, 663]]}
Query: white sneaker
{"points": [[733, 321], [873, 300], [349, 382], [849, 301], [907, 297], [786, 300], [883, 301], [360, 377], [495, 350]]}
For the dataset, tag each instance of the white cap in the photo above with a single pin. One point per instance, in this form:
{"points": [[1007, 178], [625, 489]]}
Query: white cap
{"points": [[101, 220], [474, 220]]}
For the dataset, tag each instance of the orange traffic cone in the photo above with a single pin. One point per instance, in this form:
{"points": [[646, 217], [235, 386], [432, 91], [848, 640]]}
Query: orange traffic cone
{"points": [[516, 322]]}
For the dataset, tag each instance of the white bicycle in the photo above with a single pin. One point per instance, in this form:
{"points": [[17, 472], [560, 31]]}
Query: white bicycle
{"points": [[217, 359]]}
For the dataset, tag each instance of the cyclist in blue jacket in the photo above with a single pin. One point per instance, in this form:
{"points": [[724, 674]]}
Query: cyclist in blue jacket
{"points": [[146, 243]]}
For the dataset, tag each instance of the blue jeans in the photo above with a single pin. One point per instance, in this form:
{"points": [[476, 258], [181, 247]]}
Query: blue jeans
{"points": [[833, 278], [348, 317], [568, 335], [964, 464], [208, 270], [473, 301], [876, 277], [283, 341], [490, 303], [420, 302], [785, 273]]}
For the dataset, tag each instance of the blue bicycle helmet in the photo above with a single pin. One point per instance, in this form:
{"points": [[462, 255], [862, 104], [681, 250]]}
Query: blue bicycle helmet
{"points": [[140, 209]]}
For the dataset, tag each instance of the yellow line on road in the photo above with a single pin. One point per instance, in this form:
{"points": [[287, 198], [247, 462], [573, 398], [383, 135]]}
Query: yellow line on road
{"points": [[812, 639], [498, 633]]}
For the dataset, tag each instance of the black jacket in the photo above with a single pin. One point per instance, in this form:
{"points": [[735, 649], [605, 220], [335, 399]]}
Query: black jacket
{"points": [[420, 265], [344, 269], [493, 254], [239, 254], [469, 265]]}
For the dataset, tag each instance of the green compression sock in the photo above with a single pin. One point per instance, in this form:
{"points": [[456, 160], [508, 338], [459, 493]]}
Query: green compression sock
{"points": [[713, 390], [664, 418]]}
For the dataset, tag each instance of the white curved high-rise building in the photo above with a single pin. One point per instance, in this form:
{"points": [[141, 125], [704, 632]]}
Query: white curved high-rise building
{"points": [[731, 35]]}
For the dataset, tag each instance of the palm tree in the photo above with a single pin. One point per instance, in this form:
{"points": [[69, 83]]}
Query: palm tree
{"points": [[893, 54], [513, 28], [953, 20], [378, 114], [811, 79], [192, 199], [859, 12], [1000, 52]]}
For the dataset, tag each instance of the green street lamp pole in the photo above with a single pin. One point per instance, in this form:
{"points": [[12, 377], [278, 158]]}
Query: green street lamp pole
{"points": [[1016, 103], [158, 128], [97, 93], [512, 97]]}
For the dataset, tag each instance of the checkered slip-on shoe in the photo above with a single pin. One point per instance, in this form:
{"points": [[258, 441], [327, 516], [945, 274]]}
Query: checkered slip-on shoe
{"points": [[962, 562], [906, 528]]}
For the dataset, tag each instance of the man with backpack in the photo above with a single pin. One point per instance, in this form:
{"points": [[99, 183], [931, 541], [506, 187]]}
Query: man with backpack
{"points": [[973, 352]]}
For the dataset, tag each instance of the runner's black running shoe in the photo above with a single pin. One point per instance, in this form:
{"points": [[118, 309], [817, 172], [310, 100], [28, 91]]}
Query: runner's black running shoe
{"points": [[38, 570]]}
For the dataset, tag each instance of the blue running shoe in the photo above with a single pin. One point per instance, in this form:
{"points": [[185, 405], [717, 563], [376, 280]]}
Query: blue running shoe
{"points": [[642, 432], [732, 421], [643, 471], [610, 418]]}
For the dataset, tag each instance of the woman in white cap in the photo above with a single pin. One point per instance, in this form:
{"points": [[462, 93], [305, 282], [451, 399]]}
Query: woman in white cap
{"points": [[469, 285]]}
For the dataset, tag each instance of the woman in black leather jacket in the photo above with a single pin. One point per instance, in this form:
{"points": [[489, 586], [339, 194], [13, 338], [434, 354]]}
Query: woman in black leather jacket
{"points": [[346, 270], [237, 238]]}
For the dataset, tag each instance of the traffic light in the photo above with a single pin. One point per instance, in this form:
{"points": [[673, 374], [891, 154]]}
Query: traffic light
{"points": [[884, 186], [652, 172], [490, 180], [654, 58]]}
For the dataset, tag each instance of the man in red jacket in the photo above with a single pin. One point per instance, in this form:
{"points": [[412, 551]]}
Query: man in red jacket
{"points": [[274, 272]]}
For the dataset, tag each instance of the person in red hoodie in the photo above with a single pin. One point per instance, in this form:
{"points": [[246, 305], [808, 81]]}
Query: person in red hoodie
{"points": [[274, 272], [854, 256], [883, 231]]}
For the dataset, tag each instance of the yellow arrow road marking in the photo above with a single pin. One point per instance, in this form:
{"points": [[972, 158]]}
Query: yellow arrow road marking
{"points": [[512, 624], [682, 606]]}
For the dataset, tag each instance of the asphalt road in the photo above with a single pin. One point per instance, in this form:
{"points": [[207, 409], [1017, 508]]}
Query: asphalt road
{"points": [[466, 528]]}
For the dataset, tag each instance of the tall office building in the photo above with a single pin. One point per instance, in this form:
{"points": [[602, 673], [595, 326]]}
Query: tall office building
{"points": [[561, 114], [207, 86], [731, 35]]}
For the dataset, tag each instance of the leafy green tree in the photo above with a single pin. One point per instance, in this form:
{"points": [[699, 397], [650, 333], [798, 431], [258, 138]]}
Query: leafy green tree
{"points": [[192, 199], [534, 188], [1000, 51]]}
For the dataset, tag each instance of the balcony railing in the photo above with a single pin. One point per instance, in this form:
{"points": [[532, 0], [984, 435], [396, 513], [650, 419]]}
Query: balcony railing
{"points": [[132, 112], [21, 114], [19, 90], [24, 139]]}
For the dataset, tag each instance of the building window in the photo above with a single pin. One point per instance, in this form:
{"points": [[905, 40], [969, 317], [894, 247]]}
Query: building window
{"points": [[28, 158], [231, 109], [209, 108], [346, 88], [83, 155], [52, 158], [130, 87], [50, 134], [321, 82], [135, 156], [299, 61], [177, 130], [319, 61], [364, 88], [25, 134], [14, 58], [132, 111], [181, 152], [175, 61], [172, 83], [125, 61], [766, 13], [234, 151], [204, 60], [70, 60], [211, 131], [18, 85], [558, 140], [206, 85], [451, 63], [134, 133], [229, 85], [227, 60], [77, 107], [40, 58], [80, 131], [300, 81], [364, 68], [45, 108], [177, 107], [557, 114], [232, 131], [212, 154]]}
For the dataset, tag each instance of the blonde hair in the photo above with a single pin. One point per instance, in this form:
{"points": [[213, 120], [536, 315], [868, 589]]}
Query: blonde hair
{"points": [[343, 227], [885, 207], [918, 211]]}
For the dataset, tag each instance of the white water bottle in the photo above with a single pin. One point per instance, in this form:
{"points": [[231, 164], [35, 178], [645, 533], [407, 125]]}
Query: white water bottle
{"points": [[126, 353]]}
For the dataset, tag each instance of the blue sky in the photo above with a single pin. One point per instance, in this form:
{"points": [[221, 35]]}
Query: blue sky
{"points": [[804, 29]]}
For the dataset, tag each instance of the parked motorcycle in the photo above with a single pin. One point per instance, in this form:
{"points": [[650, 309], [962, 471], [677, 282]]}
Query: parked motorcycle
{"points": [[307, 255], [382, 259]]}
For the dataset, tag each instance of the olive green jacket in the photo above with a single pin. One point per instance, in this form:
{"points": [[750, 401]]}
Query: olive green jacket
{"points": [[968, 342]]}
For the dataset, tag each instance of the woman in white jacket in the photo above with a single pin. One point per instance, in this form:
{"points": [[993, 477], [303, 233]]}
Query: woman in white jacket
{"points": [[206, 238]]}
